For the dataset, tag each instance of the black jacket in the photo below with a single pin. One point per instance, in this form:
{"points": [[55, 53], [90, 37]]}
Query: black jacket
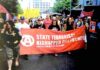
{"points": [[9, 38]]}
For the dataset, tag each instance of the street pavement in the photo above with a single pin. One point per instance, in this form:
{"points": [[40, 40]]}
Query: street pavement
{"points": [[3, 62], [45, 62], [78, 60]]}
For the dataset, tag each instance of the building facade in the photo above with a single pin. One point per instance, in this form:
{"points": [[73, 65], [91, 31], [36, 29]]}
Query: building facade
{"points": [[43, 5]]}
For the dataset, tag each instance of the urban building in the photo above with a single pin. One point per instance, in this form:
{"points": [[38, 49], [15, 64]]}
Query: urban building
{"points": [[43, 5]]}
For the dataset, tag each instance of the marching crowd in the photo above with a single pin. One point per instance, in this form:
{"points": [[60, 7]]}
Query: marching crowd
{"points": [[10, 35]]}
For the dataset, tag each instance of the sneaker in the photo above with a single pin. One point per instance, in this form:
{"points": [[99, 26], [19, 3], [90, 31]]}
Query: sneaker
{"points": [[69, 52], [9, 69], [56, 54], [0, 49], [16, 63]]}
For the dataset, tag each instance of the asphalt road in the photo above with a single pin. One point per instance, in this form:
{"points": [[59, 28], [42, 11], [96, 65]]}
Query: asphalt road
{"points": [[78, 60], [45, 62]]}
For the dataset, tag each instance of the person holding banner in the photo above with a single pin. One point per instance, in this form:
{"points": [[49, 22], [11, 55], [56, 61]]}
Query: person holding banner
{"points": [[54, 26], [69, 23], [47, 21], [22, 25], [39, 25], [11, 39]]}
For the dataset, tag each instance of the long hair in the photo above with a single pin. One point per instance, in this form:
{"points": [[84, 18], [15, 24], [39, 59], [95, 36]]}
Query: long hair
{"points": [[9, 26]]}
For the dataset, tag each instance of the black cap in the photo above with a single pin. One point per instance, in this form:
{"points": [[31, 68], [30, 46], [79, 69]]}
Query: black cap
{"points": [[22, 18]]}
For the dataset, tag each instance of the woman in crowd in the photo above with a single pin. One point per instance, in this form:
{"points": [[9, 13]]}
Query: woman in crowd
{"points": [[69, 23], [59, 22], [54, 26], [39, 25], [47, 21], [11, 40]]}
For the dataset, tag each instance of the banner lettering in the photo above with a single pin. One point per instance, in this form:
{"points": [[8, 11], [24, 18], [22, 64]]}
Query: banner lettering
{"points": [[44, 41]]}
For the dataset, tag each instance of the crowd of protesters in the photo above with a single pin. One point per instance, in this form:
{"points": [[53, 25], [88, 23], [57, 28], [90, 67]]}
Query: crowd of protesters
{"points": [[10, 36]]}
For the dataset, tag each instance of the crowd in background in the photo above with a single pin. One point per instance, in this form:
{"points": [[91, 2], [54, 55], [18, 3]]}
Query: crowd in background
{"points": [[10, 36]]}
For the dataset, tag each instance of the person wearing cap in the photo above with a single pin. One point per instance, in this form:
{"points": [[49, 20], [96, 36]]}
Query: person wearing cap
{"points": [[21, 24]]}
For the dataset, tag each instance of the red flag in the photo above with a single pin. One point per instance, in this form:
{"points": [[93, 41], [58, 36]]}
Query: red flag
{"points": [[84, 13]]}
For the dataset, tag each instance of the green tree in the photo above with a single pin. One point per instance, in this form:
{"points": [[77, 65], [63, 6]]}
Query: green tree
{"points": [[19, 9], [12, 6], [61, 4]]}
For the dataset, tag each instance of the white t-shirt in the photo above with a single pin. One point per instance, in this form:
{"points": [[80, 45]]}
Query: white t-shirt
{"points": [[20, 25]]}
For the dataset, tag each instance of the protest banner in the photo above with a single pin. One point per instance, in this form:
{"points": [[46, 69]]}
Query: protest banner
{"points": [[44, 41]]}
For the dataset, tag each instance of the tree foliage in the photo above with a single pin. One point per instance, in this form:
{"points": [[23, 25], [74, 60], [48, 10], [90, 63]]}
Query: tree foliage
{"points": [[19, 9], [12, 6], [61, 4]]}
